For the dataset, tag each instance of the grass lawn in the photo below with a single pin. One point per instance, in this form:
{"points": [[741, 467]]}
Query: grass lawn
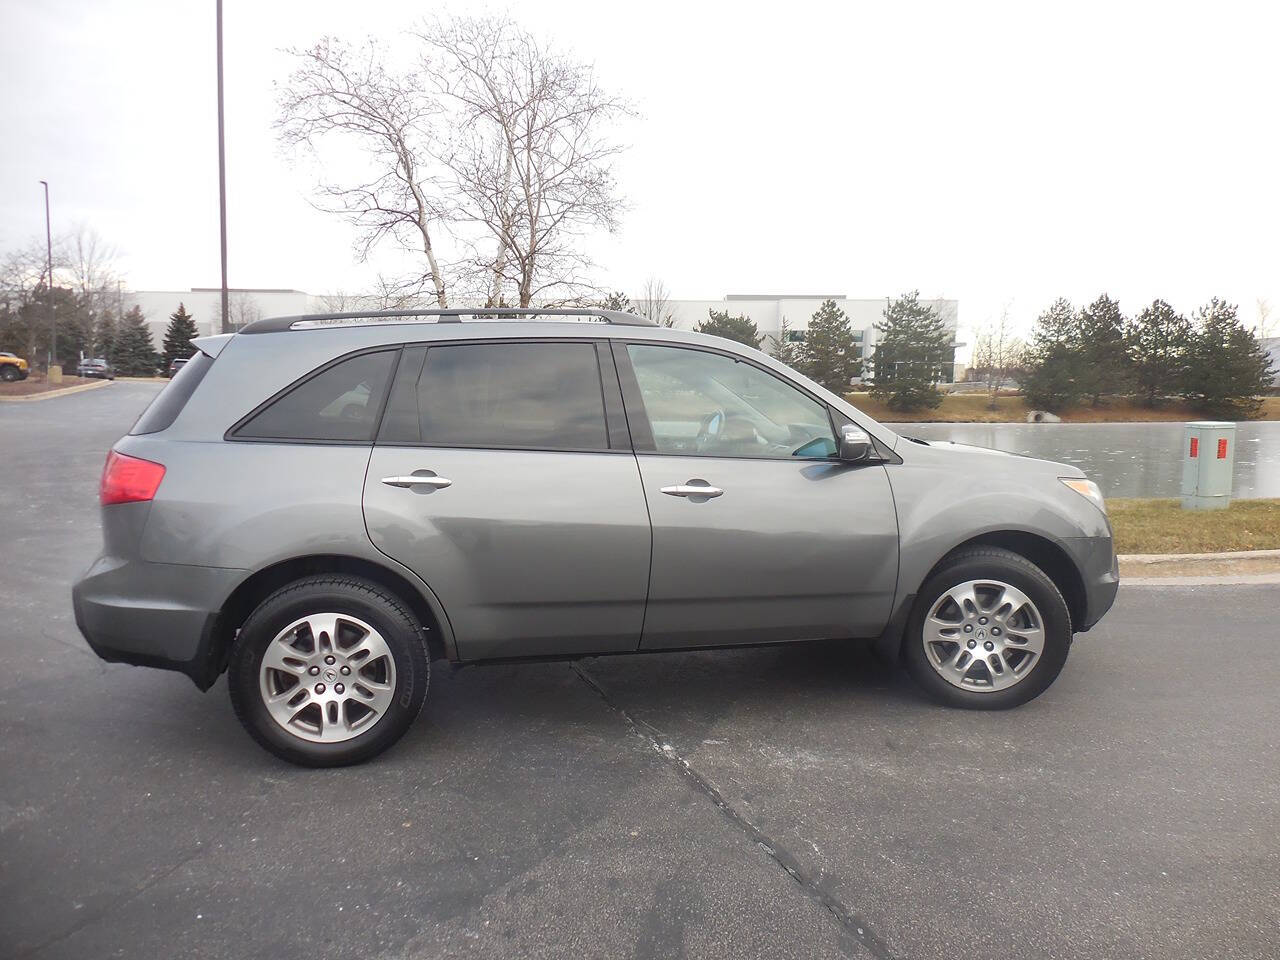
{"points": [[1162, 526], [974, 408]]}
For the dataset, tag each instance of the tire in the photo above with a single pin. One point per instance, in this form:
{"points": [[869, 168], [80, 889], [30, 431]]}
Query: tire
{"points": [[994, 577], [312, 629], [10, 373]]}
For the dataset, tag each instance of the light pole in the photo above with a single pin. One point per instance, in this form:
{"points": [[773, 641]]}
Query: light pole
{"points": [[222, 175], [48, 240]]}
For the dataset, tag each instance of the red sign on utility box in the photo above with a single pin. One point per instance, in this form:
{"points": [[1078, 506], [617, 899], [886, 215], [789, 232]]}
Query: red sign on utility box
{"points": [[1195, 447], [1222, 448]]}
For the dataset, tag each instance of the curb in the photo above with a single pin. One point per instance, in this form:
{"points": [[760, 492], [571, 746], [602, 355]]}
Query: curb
{"points": [[1244, 579], [50, 394], [1155, 558]]}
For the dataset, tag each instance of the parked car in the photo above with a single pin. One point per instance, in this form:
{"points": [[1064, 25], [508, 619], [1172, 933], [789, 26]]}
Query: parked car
{"points": [[322, 508], [175, 365], [96, 368], [13, 367]]}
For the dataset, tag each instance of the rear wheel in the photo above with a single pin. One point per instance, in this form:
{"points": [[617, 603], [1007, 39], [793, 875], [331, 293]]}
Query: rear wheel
{"points": [[989, 631], [330, 670]]}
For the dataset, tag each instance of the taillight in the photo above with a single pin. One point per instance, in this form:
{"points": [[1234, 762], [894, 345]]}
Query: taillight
{"points": [[128, 479]]}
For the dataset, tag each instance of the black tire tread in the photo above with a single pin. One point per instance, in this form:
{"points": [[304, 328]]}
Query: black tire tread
{"points": [[374, 593], [937, 687]]}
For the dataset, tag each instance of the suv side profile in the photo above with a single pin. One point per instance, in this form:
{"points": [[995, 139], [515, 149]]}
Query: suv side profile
{"points": [[321, 506]]}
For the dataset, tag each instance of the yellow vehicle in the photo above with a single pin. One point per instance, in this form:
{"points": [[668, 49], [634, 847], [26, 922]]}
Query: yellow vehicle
{"points": [[12, 367]]}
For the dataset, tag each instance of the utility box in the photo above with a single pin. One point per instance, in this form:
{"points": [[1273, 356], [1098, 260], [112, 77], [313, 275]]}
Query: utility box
{"points": [[1208, 455]]}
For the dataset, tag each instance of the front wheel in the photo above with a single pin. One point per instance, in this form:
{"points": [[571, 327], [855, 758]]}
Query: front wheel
{"points": [[328, 671], [988, 631], [9, 373]]}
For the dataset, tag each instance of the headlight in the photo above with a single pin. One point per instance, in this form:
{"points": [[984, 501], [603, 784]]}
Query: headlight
{"points": [[1087, 489]]}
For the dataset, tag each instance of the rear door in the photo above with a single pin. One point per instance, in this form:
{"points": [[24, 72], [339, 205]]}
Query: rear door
{"points": [[503, 476], [759, 532]]}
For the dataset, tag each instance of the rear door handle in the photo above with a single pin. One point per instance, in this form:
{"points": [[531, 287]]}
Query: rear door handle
{"points": [[694, 488], [416, 481]]}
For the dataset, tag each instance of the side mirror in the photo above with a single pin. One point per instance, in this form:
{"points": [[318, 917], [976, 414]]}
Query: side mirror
{"points": [[855, 445]]}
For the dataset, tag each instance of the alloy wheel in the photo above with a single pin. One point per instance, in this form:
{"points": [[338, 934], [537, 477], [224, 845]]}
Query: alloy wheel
{"points": [[983, 635], [327, 677]]}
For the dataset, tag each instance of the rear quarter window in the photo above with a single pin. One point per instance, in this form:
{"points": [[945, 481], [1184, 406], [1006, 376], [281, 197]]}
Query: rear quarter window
{"points": [[340, 402], [164, 409]]}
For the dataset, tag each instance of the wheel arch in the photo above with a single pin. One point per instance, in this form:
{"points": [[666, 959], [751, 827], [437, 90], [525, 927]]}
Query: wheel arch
{"points": [[1040, 550], [262, 583]]}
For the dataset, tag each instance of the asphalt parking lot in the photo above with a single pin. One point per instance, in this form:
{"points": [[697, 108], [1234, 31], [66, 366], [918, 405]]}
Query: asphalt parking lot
{"points": [[779, 802]]}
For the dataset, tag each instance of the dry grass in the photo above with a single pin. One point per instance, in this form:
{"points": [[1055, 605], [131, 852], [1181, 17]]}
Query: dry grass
{"points": [[1011, 408], [36, 383], [1162, 526]]}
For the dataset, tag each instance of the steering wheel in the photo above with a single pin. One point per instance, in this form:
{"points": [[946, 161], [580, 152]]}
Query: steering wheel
{"points": [[709, 429]]}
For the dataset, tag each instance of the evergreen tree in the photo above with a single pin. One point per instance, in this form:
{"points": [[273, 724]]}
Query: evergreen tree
{"points": [[104, 336], [741, 328], [830, 355], [617, 301], [782, 348], [1055, 360], [1227, 368], [1156, 341], [177, 338], [135, 356], [1104, 366], [911, 349]]}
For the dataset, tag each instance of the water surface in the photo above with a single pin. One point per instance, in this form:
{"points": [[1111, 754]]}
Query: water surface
{"points": [[1125, 459]]}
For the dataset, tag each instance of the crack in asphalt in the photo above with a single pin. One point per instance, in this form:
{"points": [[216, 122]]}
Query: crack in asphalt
{"points": [[853, 925]]}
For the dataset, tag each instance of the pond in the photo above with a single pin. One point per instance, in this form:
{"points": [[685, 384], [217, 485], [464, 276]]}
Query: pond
{"points": [[1125, 459]]}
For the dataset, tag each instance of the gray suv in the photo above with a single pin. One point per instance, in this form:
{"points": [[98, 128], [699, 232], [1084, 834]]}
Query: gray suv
{"points": [[320, 506]]}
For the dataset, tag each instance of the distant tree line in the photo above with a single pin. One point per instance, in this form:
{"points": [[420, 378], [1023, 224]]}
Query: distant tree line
{"points": [[1210, 361], [914, 348], [88, 299]]}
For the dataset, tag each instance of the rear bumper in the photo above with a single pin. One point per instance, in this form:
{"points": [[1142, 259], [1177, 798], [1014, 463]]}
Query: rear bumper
{"points": [[153, 614], [1095, 558]]}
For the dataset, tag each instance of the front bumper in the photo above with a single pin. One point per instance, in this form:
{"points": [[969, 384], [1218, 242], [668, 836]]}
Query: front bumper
{"points": [[1095, 559], [153, 614]]}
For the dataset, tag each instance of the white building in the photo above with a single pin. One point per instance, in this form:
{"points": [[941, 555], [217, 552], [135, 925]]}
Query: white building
{"points": [[767, 312], [205, 306]]}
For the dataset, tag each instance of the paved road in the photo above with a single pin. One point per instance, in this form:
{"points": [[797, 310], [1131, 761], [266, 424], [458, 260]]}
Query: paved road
{"points": [[784, 802]]}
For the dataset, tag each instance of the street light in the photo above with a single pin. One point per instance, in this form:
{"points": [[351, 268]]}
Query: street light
{"points": [[222, 175], [48, 239]]}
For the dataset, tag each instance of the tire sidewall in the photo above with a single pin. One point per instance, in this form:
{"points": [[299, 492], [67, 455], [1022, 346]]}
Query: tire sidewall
{"points": [[362, 600], [1017, 573]]}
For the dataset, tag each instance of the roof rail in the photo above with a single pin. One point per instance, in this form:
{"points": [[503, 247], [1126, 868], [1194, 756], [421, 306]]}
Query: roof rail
{"points": [[313, 321]]}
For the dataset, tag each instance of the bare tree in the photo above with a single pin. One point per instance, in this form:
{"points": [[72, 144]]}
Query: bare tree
{"points": [[654, 303], [997, 353], [243, 309], [339, 301], [345, 94], [23, 279], [1265, 321], [529, 153]]}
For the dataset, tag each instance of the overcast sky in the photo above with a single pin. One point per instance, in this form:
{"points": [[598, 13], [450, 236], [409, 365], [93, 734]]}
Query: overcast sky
{"points": [[989, 152]]}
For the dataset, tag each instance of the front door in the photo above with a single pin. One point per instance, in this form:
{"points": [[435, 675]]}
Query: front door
{"points": [[759, 532], [498, 478]]}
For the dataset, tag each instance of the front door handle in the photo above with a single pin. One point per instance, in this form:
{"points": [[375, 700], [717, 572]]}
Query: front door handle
{"points": [[416, 481], [694, 488]]}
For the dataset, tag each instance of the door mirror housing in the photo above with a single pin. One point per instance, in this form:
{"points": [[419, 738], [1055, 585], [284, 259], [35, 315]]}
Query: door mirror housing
{"points": [[855, 444]]}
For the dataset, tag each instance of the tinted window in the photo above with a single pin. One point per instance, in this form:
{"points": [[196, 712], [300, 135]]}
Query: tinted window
{"points": [[544, 396], [169, 402], [708, 404], [340, 402]]}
